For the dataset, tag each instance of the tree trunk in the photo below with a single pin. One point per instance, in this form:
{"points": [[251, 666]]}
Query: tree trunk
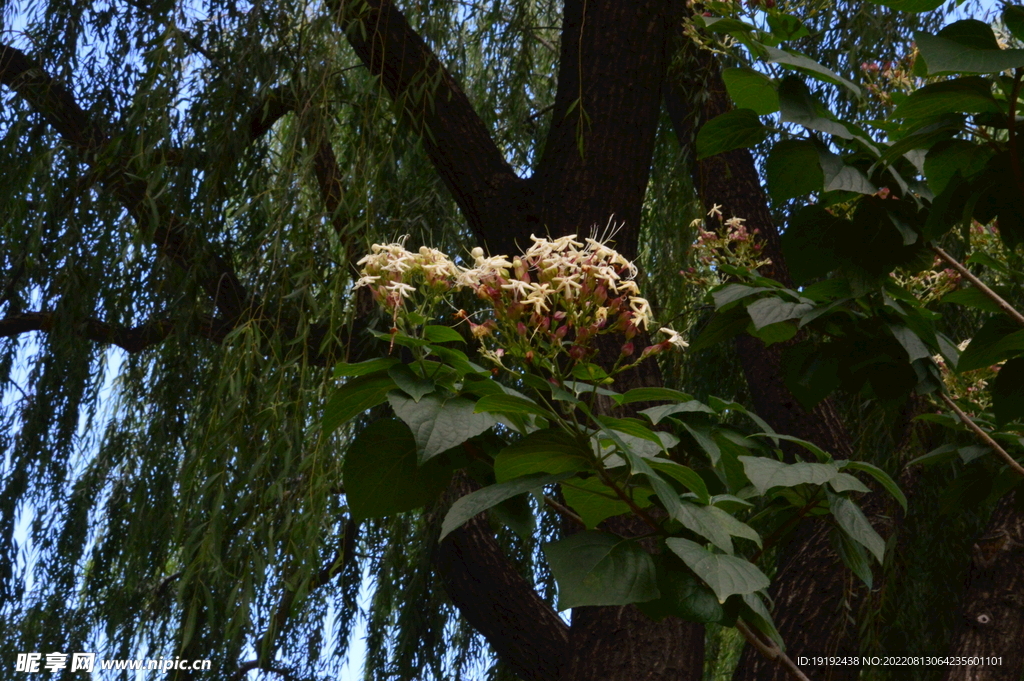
{"points": [[992, 617]]}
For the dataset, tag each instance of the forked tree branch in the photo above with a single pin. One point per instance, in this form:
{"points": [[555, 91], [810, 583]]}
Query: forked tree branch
{"points": [[456, 140], [132, 339], [176, 240]]}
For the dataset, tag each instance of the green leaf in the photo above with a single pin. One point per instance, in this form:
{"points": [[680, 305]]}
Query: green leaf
{"points": [[703, 521], [726, 575], [595, 501], [766, 474], [998, 339], [685, 476], [847, 483], [730, 293], [656, 414], [787, 27], [820, 453], [731, 130], [510, 404], [972, 297], [765, 311], [754, 611], [881, 476], [1008, 392], [1013, 19], [722, 327], [940, 454], [381, 474], [856, 525], [597, 568], [948, 157], [355, 397], [653, 395], [810, 372], [752, 90], [798, 106], [809, 66], [682, 594], [811, 243], [370, 366], [965, 47], [915, 347], [413, 385], [853, 556], [702, 434], [438, 424], [435, 333], [467, 507], [793, 170], [840, 177], [543, 451], [962, 95], [634, 427]]}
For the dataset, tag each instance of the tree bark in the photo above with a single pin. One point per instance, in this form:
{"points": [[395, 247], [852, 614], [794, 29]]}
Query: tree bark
{"points": [[992, 617]]}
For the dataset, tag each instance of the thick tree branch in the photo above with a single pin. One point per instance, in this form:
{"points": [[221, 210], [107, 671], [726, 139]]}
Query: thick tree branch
{"points": [[523, 630], [176, 240], [454, 137], [132, 339]]}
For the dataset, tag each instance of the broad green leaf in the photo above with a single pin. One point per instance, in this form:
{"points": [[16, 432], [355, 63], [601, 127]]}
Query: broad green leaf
{"points": [[766, 311], [948, 157], [726, 575], [634, 427], [971, 296], [722, 327], [1013, 19], [818, 452], [810, 67], [798, 106], [656, 414], [355, 397], [940, 454], [479, 501], [880, 475], [731, 130], [414, 386], [595, 501], [704, 438], [438, 424], [720, 406], [730, 293], [853, 556], [787, 27], [653, 395], [1008, 392], [811, 243], [754, 611], [847, 483], [811, 372], [435, 333], [685, 476], [734, 526], [381, 474], [544, 451], [703, 521], [726, 25], [766, 474], [510, 404], [682, 594], [855, 524], [962, 95], [841, 177], [370, 366], [752, 90], [998, 339], [966, 47], [793, 170], [915, 347], [597, 568]]}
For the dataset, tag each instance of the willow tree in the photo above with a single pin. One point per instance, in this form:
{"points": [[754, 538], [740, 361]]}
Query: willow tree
{"points": [[186, 191]]}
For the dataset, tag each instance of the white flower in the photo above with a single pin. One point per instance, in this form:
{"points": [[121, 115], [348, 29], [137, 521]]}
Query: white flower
{"points": [[716, 211], [642, 311], [366, 280], [674, 338], [518, 287], [402, 288], [539, 298]]}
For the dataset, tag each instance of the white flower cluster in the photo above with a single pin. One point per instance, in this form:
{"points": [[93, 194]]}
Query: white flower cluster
{"points": [[553, 299]]}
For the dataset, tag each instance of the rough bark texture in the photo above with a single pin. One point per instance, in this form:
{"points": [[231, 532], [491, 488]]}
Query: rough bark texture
{"points": [[992, 618]]}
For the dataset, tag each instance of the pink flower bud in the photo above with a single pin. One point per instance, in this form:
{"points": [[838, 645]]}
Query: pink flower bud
{"points": [[577, 352], [561, 331], [521, 328], [627, 349]]}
